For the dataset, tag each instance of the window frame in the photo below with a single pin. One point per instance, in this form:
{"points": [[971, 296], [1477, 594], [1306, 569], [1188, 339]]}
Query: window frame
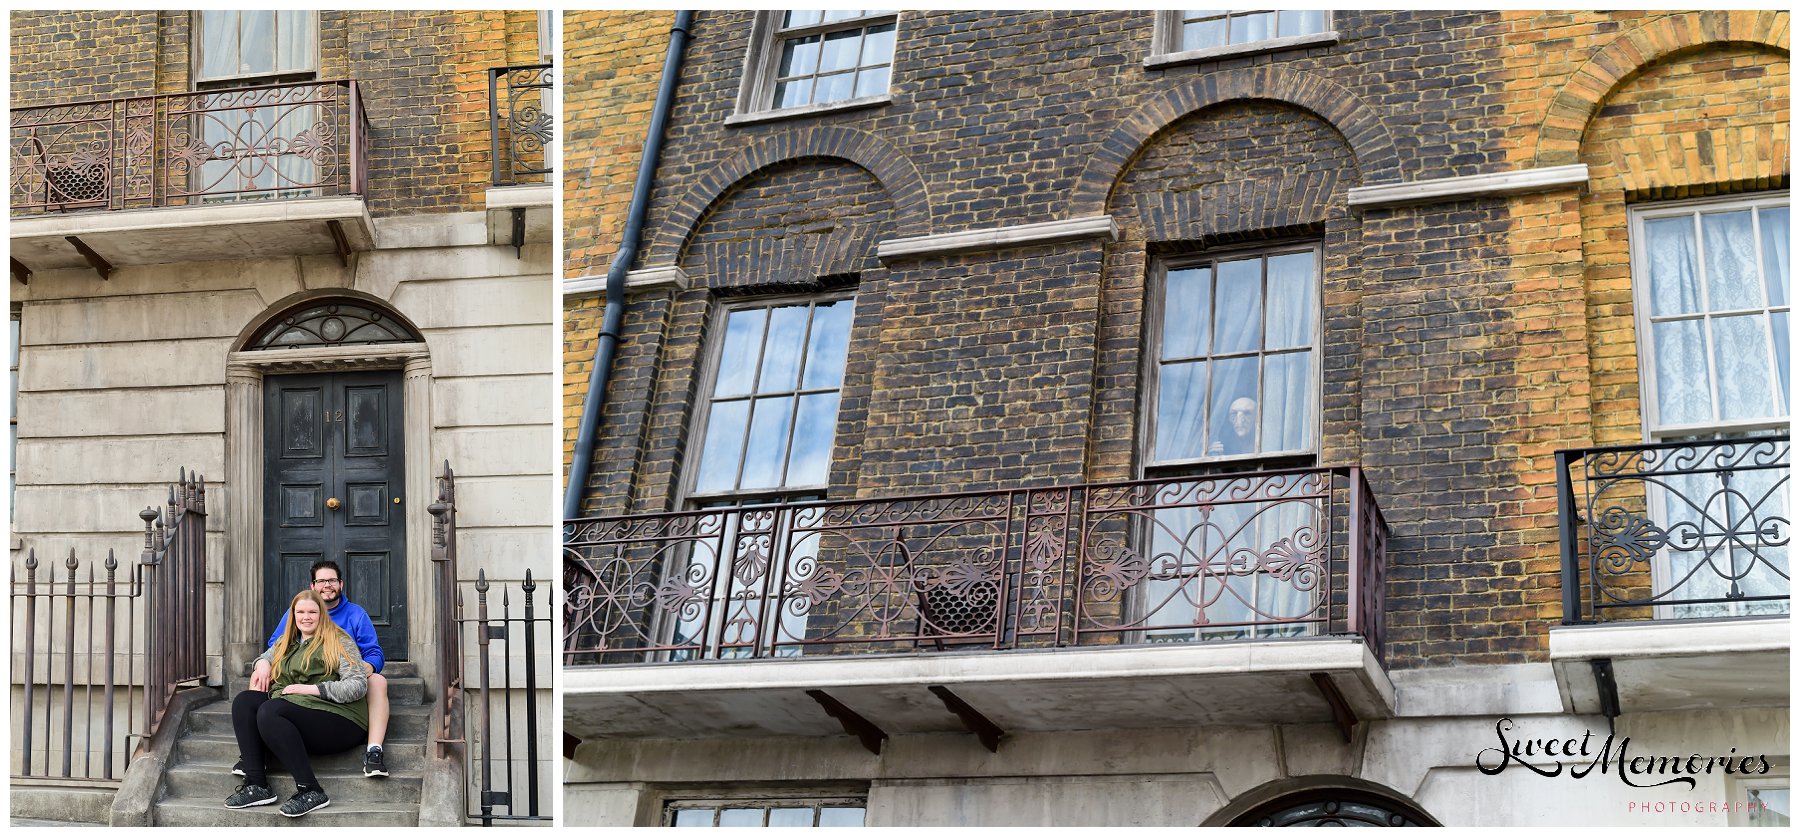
{"points": [[1156, 309], [197, 58], [1648, 396], [756, 94], [690, 497], [1165, 42], [765, 798], [1778, 777]]}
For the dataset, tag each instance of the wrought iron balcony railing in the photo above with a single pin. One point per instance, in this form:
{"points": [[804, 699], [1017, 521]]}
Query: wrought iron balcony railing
{"points": [[522, 123], [1673, 531], [1243, 556], [281, 141]]}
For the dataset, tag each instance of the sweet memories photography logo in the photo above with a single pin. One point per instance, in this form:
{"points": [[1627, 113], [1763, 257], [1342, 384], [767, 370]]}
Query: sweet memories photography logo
{"points": [[1580, 757]]}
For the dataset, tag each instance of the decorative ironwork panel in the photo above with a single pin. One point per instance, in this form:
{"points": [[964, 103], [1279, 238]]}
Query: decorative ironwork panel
{"points": [[333, 322], [253, 143], [522, 122], [1240, 556], [1677, 530]]}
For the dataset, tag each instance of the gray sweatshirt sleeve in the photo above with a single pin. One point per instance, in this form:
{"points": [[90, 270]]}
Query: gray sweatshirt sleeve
{"points": [[351, 686]]}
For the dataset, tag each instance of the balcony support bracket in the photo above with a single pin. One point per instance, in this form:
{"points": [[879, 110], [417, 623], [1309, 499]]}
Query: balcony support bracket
{"points": [[518, 231], [21, 272], [94, 260], [1608, 687], [1340, 708], [984, 729], [343, 241], [871, 736]]}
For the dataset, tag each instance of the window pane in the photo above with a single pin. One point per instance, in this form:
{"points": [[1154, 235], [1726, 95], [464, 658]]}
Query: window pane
{"points": [[218, 45], [1237, 309], [1769, 807], [829, 345], [872, 82], [296, 49], [841, 50], [766, 451], [1234, 407], [800, 57], [878, 44], [1187, 312], [741, 817], [781, 352], [1741, 358], [1287, 402], [790, 817], [791, 94], [1780, 324], [1683, 389], [256, 44], [815, 425], [1731, 280], [841, 817], [1202, 34], [1252, 27], [802, 17], [1673, 265], [691, 817], [1775, 253], [834, 88], [724, 446], [743, 342], [1180, 411], [1306, 22], [1291, 306]]}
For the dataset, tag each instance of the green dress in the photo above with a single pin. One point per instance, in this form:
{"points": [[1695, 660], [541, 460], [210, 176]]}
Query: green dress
{"points": [[343, 691]]}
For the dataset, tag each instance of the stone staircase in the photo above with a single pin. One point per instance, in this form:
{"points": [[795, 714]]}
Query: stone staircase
{"points": [[199, 776]]}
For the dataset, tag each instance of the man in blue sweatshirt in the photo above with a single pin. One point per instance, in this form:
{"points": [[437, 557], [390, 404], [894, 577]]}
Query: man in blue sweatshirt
{"points": [[328, 582]]}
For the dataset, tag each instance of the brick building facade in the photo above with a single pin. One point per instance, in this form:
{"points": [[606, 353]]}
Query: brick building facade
{"points": [[1050, 230], [229, 231], [607, 110]]}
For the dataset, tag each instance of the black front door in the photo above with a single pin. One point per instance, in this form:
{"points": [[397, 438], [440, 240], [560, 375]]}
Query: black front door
{"points": [[333, 485]]}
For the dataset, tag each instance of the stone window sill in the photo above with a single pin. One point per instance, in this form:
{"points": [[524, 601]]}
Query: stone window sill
{"points": [[1195, 56], [803, 111]]}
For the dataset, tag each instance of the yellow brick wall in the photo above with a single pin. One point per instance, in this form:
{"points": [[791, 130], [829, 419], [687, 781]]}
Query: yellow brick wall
{"points": [[613, 62], [1661, 106]]}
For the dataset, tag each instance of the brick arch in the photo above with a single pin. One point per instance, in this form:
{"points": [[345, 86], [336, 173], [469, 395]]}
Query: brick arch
{"points": [[1368, 138], [1566, 120], [893, 170]]}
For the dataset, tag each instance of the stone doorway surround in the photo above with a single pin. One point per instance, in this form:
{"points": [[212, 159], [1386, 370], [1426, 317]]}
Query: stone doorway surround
{"points": [[243, 569]]}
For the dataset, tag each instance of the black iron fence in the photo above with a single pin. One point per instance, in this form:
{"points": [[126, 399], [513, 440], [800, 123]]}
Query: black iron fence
{"points": [[187, 149], [100, 652], [1679, 530], [1242, 556], [494, 693], [522, 123]]}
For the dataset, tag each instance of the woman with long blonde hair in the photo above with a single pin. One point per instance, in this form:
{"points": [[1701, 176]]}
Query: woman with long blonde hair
{"points": [[315, 704]]}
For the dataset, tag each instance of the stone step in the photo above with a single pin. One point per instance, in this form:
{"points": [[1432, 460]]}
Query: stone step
{"points": [[402, 691], [406, 721], [195, 812], [220, 750], [200, 783]]}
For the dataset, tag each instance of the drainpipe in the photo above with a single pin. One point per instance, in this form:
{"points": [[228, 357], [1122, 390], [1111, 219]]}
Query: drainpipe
{"points": [[613, 318]]}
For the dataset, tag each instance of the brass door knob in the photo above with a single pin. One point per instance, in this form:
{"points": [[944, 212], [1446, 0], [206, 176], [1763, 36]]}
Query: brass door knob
{"points": [[332, 503]]}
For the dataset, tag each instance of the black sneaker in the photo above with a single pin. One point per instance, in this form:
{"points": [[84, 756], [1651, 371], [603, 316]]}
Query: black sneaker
{"points": [[238, 769], [303, 803], [250, 796], [372, 763]]}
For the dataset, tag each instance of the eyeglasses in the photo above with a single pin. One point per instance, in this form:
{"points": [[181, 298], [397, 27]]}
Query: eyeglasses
{"points": [[329, 581]]}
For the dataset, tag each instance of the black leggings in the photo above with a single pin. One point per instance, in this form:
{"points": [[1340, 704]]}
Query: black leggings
{"points": [[289, 732]]}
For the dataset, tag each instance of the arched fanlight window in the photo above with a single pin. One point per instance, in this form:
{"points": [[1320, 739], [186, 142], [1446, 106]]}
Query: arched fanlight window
{"points": [[1334, 807], [332, 322]]}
